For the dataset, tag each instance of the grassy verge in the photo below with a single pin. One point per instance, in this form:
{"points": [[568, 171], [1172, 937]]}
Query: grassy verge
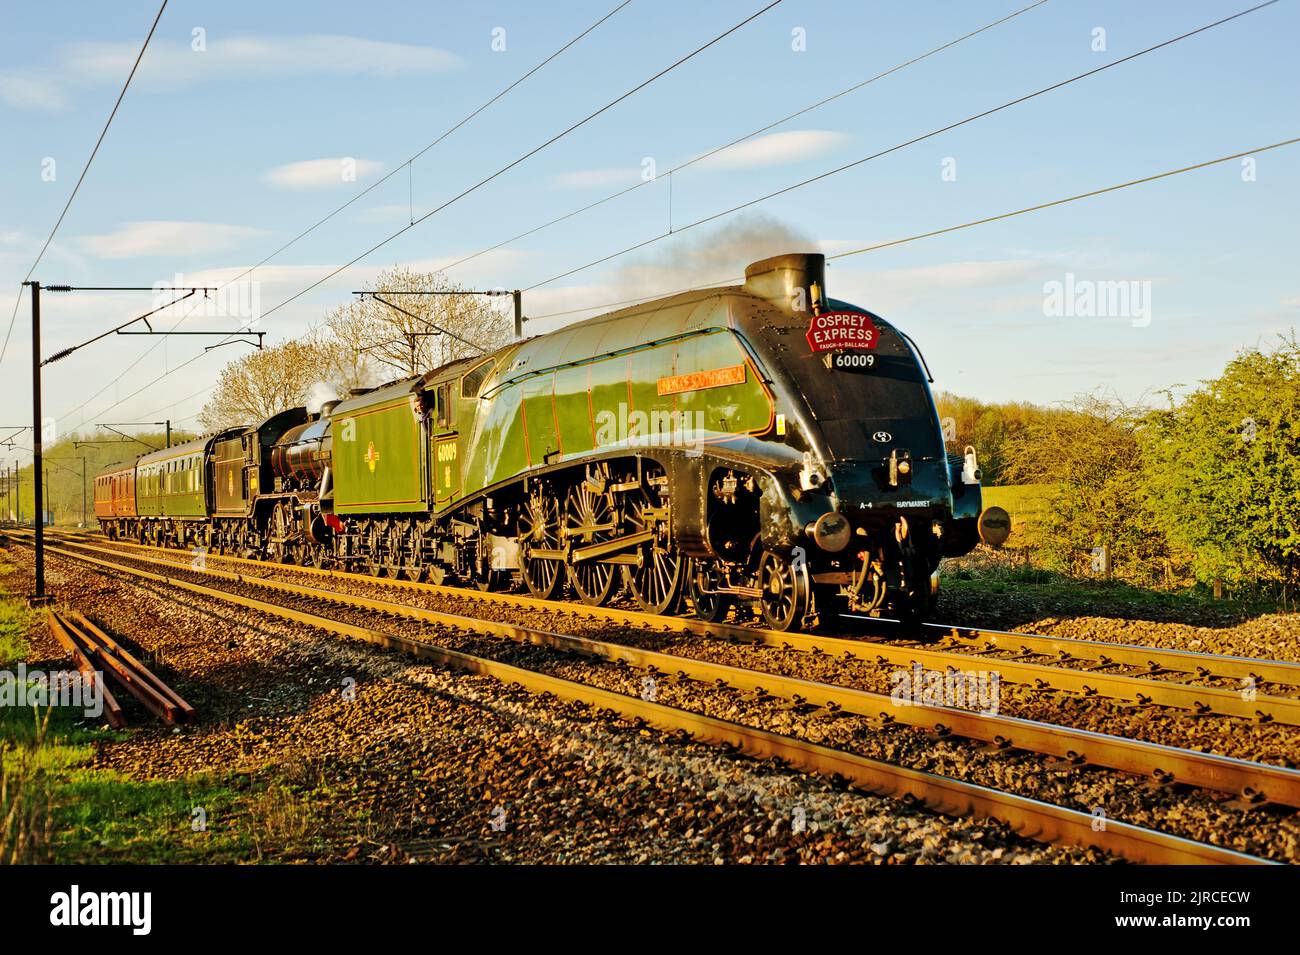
{"points": [[14, 618], [57, 807], [1027, 505], [66, 811], [974, 587]]}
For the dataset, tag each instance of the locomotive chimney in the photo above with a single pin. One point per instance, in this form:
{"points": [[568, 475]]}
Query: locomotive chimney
{"points": [[793, 283]]}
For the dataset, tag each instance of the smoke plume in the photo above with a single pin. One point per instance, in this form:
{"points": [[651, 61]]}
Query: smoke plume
{"points": [[710, 256]]}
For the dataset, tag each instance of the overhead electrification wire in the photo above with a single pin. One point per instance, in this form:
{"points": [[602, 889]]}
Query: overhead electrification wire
{"points": [[301, 235], [145, 354], [532, 152], [82, 178], [892, 149], [1063, 201], [953, 228], [440, 138], [758, 132]]}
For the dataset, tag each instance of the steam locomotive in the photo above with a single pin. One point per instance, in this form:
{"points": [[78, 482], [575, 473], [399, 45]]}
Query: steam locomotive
{"points": [[757, 446]]}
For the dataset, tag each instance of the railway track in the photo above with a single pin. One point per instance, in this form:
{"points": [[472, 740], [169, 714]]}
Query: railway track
{"points": [[1149, 688], [1029, 817]]}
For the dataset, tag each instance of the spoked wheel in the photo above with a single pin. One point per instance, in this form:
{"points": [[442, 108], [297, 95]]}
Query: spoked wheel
{"points": [[375, 545], [784, 599], [318, 556], [539, 530], [412, 560], [395, 552], [278, 547], [657, 581], [589, 519], [711, 607]]}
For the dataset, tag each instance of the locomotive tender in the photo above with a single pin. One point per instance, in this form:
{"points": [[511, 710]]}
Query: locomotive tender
{"points": [[756, 444]]}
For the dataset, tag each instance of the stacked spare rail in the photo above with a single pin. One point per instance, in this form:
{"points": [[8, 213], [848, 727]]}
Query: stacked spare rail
{"points": [[98, 656]]}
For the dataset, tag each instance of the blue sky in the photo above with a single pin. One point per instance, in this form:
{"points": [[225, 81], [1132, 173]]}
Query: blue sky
{"points": [[218, 157]]}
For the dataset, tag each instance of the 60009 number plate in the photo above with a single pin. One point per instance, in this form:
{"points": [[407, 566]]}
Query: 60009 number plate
{"points": [[853, 360]]}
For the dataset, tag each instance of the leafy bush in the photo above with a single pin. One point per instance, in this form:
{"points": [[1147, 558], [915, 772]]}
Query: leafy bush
{"points": [[1090, 456], [1223, 470]]}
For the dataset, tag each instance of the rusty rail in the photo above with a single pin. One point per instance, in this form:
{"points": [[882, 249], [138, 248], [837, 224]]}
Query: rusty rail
{"points": [[70, 639], [98, 653], [1136, 689], [1254, 782], [1282, 672], [1031, 818]]}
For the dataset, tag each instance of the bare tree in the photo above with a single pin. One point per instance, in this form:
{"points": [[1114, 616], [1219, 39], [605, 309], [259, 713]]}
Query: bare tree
{"points": [[263, 383], [343, 367], [410, 346]]}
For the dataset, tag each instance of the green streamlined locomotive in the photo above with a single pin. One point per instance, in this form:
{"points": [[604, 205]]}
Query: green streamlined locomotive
{"points": [[756, 444]]}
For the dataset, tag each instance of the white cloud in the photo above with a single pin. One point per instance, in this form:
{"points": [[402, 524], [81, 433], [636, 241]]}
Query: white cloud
{"points": [[31, 91], [176, 65], [772, 150], [160, 237], [777, 148], [322, 173], [598, 178], [279, 281], [836, 246], [944, 285]]}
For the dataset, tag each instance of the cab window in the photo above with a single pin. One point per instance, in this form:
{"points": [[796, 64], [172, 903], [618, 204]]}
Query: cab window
{"points": [[472, 383], [442, 406]]}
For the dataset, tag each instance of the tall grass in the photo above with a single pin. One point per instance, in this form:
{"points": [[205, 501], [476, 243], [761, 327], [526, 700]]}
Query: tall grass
{"points": [[25, 798]]}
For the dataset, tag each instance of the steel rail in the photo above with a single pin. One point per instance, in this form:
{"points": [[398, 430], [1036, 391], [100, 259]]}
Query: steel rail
{"points": [[1135, 689], [1028, 817], [1254, 781], [1202, 665], [1281, 672], [1259, 782]]}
